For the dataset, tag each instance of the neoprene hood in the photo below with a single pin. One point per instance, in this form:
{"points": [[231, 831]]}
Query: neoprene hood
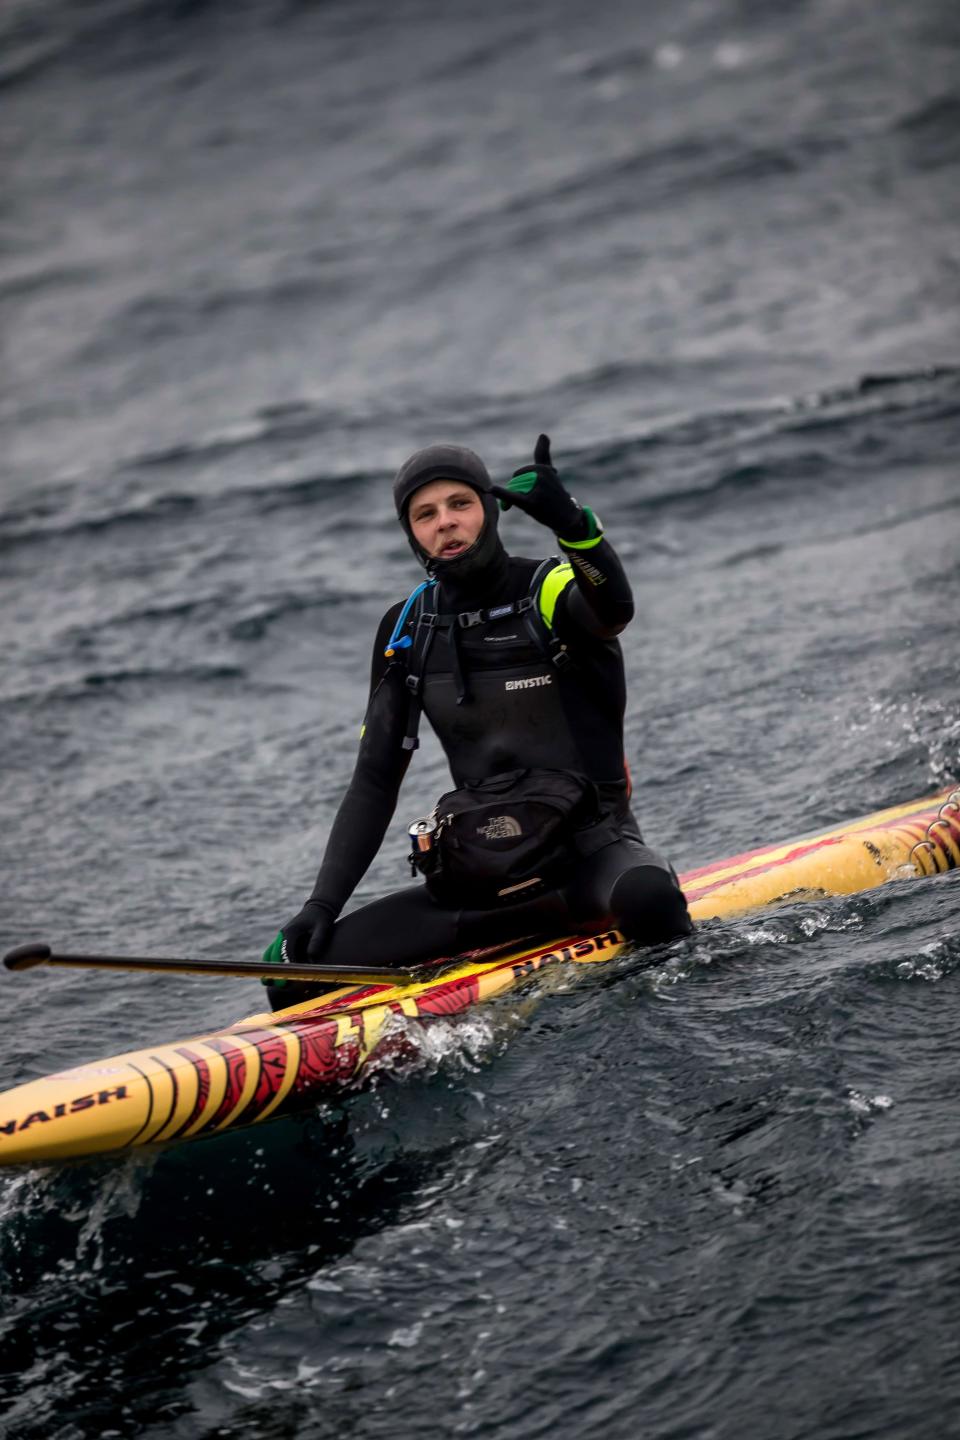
{"points": [[438, 462], [452, 462]]}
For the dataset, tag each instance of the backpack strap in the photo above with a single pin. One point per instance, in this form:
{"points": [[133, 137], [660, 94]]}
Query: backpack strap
{"points": [[425, 627], [466, 619], [550, 579]]}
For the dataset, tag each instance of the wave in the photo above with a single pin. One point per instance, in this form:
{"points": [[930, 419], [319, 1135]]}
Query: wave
{"points": [[903, 389], [917, 396], [924, 393], [256, 624], [190, 675], [28, 283], [607, 64], [33, 36], [43, 521], [933, 132], [478, 57], [152, 319], [38, 35], [82, 688], [159, 508], [678, 168]]}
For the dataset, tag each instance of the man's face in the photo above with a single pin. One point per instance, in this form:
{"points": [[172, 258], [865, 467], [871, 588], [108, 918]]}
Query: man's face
{"points": [[445, 517]]}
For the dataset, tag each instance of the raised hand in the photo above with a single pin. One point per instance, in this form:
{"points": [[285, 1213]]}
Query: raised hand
{"points": [[537, 490]]}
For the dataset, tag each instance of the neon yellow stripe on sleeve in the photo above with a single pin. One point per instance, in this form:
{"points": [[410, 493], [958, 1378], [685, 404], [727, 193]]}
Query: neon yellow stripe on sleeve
{"points": [[554, 582]]}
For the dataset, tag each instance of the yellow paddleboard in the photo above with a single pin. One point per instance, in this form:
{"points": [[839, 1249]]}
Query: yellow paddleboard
{"points": [[275, 1062]]}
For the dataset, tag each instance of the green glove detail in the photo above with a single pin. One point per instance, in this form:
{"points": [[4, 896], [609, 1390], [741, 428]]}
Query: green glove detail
{"points": [[302, 940], [273, 955], [537, 490]]}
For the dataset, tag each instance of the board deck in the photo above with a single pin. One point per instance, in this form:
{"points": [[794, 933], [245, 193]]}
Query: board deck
{"points": [[278, 1061]]}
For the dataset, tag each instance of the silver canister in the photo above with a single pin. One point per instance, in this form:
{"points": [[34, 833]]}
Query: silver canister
{"points": [[423, 838]]}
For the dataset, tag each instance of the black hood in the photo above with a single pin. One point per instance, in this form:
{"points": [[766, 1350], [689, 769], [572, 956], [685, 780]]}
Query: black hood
{"points": [[484, 564], [438, 462]]}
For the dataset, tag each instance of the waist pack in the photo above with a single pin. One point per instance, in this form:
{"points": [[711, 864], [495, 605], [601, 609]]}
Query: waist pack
{"points": [[504, 836]]}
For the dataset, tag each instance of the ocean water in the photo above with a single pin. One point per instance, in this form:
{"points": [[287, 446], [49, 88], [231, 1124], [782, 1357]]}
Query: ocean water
{"points": [[251, 256]]}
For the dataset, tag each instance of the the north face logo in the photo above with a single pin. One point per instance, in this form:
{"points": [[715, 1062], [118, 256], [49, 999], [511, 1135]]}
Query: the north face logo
{"points": [[500, 827]]}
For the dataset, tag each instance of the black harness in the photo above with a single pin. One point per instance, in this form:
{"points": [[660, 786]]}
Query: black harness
{"points": [[428, 620]]}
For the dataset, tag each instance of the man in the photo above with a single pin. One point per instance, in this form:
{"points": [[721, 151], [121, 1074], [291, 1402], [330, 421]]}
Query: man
{"points": [[516, 664]]}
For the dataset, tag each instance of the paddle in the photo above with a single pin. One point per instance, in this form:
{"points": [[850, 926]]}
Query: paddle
{"points": [[25, 957]]}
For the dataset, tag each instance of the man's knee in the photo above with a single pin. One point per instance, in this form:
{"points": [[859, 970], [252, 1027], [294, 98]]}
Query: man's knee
{"points": [[649, 907]]}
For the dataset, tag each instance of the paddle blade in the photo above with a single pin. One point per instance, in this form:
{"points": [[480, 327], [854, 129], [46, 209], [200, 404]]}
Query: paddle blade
{"points": [[24, 957]]}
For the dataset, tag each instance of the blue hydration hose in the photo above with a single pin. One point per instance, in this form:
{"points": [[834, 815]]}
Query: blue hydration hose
{"points": [[398, 641]]}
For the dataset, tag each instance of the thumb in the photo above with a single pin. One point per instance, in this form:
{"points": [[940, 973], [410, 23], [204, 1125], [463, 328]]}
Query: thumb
{"points": [[541, 451]]}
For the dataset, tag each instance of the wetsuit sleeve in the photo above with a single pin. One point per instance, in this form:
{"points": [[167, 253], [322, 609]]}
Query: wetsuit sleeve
{"points": [[371, 796], [598, 601]]}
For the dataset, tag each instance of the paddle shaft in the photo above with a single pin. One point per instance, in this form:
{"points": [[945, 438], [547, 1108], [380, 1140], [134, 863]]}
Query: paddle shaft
{"points": [[25, 957]]}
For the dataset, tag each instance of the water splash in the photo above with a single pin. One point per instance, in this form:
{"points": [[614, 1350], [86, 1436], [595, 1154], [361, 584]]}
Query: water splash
{"points": [[930, 728], [460, 1045], [934, 962], [862, 1104]]}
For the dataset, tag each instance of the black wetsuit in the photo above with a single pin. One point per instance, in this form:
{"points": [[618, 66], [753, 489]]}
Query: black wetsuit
{"points": [[498, 702]]}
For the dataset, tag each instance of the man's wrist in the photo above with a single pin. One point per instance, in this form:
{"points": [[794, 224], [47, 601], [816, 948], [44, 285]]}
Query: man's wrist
{"points": [[319, 902], [587, 533]]}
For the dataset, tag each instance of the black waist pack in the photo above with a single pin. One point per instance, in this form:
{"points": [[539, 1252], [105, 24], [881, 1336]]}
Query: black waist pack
{"points": [[508, 835]]}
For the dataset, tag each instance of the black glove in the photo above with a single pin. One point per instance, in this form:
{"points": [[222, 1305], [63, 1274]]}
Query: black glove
{"points": [[304, 938], [536, 489]]}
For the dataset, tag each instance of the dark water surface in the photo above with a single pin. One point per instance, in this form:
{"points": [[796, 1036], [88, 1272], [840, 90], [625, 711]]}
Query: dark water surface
{"points": [[250, 257]]}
